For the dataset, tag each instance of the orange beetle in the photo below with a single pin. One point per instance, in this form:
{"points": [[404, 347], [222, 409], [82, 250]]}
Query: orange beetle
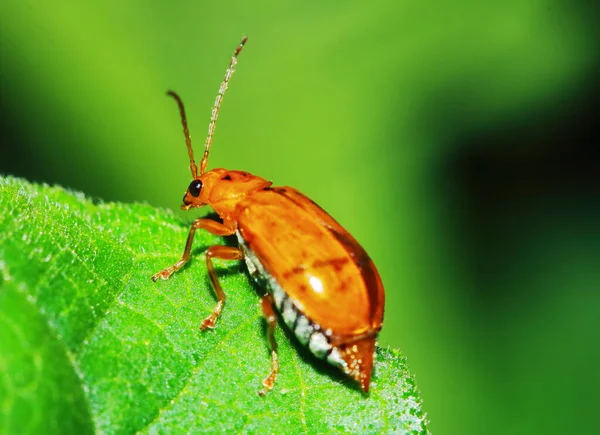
{"points": [[319, 278]]}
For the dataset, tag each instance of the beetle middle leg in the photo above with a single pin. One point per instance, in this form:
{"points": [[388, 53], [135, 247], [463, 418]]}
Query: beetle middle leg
{"points": [[213, 227], [266, 303], [223, 253]]}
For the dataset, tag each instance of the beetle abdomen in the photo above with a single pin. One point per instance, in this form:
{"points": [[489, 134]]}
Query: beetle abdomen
{"points": [[307, 332], [324, 285]]}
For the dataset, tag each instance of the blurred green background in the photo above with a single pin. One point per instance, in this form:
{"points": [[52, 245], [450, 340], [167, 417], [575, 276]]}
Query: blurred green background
{"points": [[457, 141]]}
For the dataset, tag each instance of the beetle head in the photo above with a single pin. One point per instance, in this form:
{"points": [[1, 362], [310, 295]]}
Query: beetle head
{"points": [[221, 189], [199, 191]]}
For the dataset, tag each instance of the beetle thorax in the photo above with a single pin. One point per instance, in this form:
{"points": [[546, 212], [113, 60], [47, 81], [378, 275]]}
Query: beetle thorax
{"points": [[222, 189]]}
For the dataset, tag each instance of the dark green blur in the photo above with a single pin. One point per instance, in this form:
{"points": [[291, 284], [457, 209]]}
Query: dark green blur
{"points": [[456, 141]]}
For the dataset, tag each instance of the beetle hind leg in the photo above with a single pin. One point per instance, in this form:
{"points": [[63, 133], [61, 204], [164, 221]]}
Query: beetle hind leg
{"points": [[223, 253], [266, 303]]}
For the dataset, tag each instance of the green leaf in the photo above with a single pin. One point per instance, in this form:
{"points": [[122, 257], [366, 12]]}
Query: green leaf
{"points": [[88, 343]]}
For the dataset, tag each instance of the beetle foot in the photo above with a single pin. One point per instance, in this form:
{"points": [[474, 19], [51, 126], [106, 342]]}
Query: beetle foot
{"points": [[269, 381], [209, 322], [164, 274]]}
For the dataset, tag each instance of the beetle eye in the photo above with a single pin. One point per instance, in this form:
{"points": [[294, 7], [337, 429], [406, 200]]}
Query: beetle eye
{"points": [[195, 187]]}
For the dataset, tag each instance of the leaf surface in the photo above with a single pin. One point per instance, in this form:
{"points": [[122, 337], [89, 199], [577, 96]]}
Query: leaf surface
{"points": [[88, 343]]}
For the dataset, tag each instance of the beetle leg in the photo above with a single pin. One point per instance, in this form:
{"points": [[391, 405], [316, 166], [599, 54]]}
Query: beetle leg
{"points": [[213, 227], [266, 303], [224, 253]]}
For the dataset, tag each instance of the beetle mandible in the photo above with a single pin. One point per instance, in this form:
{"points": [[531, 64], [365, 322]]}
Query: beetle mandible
{"points": [[316, 275]]}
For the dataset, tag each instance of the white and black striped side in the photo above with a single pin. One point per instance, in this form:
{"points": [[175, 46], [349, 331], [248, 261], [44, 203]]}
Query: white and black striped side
{"points": [[308, 332]]}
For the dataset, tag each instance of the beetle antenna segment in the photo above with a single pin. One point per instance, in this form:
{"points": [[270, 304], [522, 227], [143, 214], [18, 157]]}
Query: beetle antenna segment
{"points": [[217, 105], [186, 132]]}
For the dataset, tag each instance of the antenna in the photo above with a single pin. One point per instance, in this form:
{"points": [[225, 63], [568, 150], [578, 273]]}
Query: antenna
{"points": [[186, 133], [213, 118], [217, 106]]}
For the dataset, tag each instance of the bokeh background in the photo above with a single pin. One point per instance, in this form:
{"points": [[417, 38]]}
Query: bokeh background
{"points": [[457, 141]]}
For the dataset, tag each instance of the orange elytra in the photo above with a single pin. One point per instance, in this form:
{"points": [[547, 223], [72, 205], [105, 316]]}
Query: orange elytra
{"points": [[317, 276]]}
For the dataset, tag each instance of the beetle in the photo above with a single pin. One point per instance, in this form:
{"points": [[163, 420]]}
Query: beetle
{"points": [[314, 273]]}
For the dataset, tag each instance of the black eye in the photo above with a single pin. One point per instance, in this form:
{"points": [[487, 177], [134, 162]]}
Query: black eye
{"points": [[195, 187]]}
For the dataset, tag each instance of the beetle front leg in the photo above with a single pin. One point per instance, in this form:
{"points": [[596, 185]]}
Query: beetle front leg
{"points": [[213, 227], [266, 303], [223, 253]]}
